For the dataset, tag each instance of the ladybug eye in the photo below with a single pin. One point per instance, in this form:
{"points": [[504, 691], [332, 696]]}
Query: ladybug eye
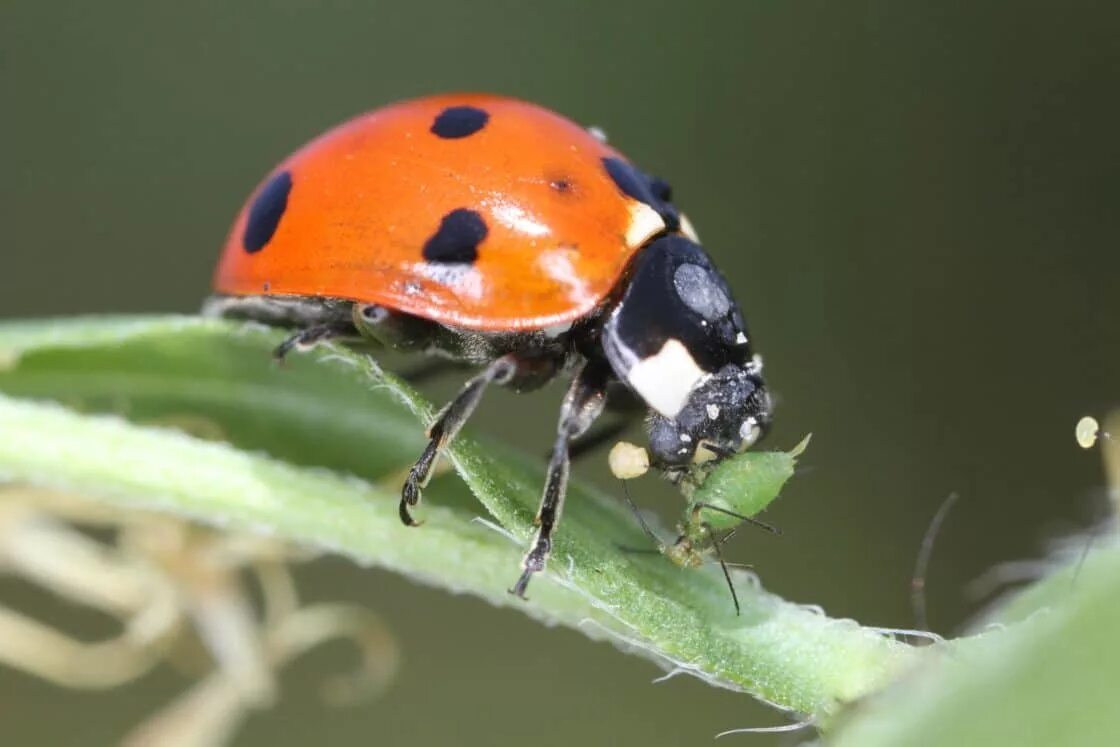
{"points": [[668, 444], [750, 431]]}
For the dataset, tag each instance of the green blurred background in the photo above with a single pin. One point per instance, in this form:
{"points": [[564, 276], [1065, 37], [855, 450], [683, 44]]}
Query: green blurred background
{"points": [[915, 203]]}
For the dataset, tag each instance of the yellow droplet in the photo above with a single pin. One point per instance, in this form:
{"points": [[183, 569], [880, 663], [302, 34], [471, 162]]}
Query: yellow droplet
{"points": [[628, 461], [1087, 431]]}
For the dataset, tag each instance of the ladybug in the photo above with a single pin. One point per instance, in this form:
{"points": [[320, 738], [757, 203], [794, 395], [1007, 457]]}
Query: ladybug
{"points": [[495, 233]]}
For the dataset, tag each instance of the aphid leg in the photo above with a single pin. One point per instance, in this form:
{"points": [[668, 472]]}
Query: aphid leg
{"points": [[700, 505], [308, 338], [582, 405], [723, 566], [641, 521], [723, 541], [451, 420]]}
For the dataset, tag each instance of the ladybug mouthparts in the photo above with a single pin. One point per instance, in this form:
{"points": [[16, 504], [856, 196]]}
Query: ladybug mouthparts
{"points": [[726, 414]]}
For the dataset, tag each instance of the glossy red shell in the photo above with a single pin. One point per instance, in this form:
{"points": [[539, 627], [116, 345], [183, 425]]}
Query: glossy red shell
{"points": [[366, 197]]}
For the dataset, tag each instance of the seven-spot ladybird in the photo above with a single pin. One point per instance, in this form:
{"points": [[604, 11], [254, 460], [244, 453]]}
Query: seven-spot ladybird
{"points": [[497, 233]]}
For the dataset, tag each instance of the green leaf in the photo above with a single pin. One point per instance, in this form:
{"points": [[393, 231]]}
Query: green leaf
{"points": [[308, 451], [1048, 678]]}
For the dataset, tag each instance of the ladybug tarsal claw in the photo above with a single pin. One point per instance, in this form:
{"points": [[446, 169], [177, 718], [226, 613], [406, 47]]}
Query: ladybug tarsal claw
{"points": [[443, 431], [534, 562], [281, 351], [518, 589], [308, 338], [406, 516], [410, 491]]}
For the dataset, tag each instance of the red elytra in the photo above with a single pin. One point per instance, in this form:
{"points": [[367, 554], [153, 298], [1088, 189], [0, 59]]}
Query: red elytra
{"points": [[364, 199]]}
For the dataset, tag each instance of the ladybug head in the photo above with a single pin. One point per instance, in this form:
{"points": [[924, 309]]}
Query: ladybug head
{"points": [[678, 340], [727, 413]]}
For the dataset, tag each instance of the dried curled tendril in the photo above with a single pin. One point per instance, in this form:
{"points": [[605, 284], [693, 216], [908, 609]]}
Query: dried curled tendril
{"points": [[172, 585]]}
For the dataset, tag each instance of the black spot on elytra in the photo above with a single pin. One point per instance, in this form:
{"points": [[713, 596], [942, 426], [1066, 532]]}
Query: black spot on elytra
{"points": [[267, 210], [456, 242], [653, 192], [563, 186], [661, 190], [459, 121], [627, 178]]}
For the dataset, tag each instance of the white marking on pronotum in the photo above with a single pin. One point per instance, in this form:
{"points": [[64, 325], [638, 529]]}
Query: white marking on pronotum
{"points": [[644, 224], [688, 229], [713, 411], [666, 378]]}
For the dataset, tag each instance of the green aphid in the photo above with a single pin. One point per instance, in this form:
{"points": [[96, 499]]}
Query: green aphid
{"points": [[720, 499]]}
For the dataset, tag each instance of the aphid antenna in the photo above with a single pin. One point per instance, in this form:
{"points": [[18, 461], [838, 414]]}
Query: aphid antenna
{"points": [[921, 564], [641, 519]]}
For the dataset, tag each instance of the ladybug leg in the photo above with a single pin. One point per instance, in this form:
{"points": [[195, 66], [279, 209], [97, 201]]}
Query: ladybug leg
{"points": [[308, 338], [582, 405], [624, 406], [504, 370], [596, 438]]}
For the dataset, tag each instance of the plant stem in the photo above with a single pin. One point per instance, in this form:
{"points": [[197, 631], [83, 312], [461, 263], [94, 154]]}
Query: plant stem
{"points": [[784, 653]]}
